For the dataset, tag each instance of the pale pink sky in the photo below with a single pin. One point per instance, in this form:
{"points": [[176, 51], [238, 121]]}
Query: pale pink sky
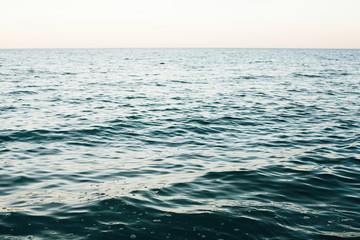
{"points": [[185, 23]]}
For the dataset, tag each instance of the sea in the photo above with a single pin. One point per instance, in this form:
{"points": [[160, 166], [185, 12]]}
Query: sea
{"points": [[180, 144]]}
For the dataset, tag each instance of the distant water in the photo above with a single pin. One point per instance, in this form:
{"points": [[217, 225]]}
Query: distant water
{"points": [[179, 144]]}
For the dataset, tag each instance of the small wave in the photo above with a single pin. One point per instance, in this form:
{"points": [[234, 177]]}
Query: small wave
{"points": [[249, 77], [4, 109], [179, 81], [22, 92], [336, 73], [135, 97], [261, 61], [41, 135], [303, 75], [68, 73], [246, 77]]}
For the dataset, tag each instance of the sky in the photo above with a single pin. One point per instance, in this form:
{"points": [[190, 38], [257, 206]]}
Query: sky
{"points": [[175, 23]]}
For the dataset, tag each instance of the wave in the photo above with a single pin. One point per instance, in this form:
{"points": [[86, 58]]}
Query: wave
{"points": [[327, 73], [131, 218], [250, 77], [22, 92], [303, 75]]}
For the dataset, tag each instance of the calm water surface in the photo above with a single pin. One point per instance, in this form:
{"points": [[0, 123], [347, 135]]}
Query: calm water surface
{"points": [[179, 144]]}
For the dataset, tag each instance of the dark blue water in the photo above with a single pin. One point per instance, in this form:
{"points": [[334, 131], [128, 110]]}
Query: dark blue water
{"points": [[179, 144]]}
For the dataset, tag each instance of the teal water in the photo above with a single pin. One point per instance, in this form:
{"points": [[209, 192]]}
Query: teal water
{"points": [[179, 144]]}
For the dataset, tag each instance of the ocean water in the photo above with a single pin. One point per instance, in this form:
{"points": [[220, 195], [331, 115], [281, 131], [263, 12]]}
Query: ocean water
{"points": [[179, 144]]}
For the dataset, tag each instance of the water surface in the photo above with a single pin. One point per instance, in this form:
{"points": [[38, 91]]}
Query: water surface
{"points": [[179, 144]]}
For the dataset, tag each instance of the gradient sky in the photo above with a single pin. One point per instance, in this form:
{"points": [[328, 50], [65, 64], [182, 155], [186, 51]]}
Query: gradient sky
{"points": [[185, 23]]}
